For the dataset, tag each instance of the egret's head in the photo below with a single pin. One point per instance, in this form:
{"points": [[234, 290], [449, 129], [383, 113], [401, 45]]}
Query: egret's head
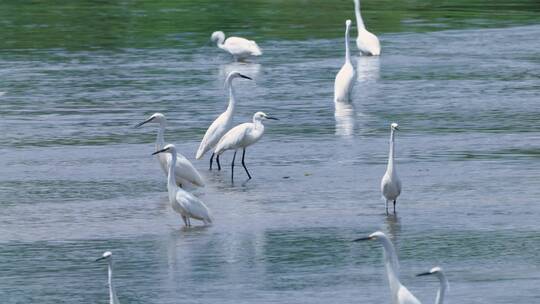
{"points": [[156, 117], [374, 236], [107, 255], [236, 74], [348, 23], [218, 37], [262, 116], [394, 126], [170, 148]]}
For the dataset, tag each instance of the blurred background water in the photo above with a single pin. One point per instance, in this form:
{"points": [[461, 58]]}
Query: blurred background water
{"points": [[460, 77]]}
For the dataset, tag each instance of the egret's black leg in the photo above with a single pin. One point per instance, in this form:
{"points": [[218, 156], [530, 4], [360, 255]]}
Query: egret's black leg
{"points": [[386, 204], [218, 164], [211, 160], [232, 166], [244, 164], [394, 206]]}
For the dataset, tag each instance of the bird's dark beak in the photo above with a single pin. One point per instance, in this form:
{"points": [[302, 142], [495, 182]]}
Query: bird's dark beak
{"points": [[99, 259], [142, 123], [162, 150], [363, 239], [397, 128], [246, 77], [272, 118], [424, 274]]}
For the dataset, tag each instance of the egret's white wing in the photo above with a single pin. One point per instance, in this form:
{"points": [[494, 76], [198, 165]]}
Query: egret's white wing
{"points": [[234, 138], [193, 206], [344, 82], [368, 43], [406, 297], [214, 134], [185, 170], [238, 45]]}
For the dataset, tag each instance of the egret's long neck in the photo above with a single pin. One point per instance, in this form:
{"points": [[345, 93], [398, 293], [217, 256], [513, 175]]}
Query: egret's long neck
{"points": [[359, 20], [347, 52], [160, 140], [442, 289], [112, 292], [392, 265], [390, 166], [171, 178], [232, 100]]}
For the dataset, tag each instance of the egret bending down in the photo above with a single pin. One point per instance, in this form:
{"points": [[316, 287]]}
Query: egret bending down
{"points": [[438, 272], [182, 201], [344, 79], [107, 256], [400, 294], [241, 137], [222, 124], [390, 183], [239, 48], [367, 43], [185, 171]]}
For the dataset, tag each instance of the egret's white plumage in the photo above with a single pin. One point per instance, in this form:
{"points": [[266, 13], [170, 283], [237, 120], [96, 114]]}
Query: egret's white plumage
{"points": [[182, 201], [242, 136], [185, 171], [239, 48], [390, 183], [367, 43], [444, 286], [399, 293], [345, 77], [107, 256], [222, 124]]}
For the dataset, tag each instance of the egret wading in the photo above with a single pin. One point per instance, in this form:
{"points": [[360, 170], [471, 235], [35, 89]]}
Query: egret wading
{"points": [[185, 171], [239, 48], [390, 183], [107, 256], [222, 124], [241, 137], [400, 294], [345, 77], [444, 286], [367, 43], [182, 201]]}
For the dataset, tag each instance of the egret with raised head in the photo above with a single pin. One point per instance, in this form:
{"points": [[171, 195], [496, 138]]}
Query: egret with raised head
{"points": [[241, 137], [345, 77], [390, 183], [444, 286], [107, 256], [368, 44], [239, 48], [182, 201]]}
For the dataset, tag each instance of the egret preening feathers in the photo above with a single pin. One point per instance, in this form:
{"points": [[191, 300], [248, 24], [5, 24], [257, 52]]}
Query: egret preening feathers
{"points": [[367, 43], [345, 77], [182, 201], [444, 286], [222, 124], [241, 137], [390, 183], [185, 171], [107, 256], [239, 48], [400, 294]]}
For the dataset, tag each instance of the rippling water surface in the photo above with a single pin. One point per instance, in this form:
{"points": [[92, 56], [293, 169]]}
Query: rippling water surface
{"points": [[77, 179]]}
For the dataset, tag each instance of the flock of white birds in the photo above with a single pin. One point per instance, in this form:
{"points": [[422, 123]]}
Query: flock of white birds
{"points": [[222, 136]]}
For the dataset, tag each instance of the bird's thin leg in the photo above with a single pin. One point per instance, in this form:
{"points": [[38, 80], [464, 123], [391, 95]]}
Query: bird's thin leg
{"points": [[189, 221], [218, 164], [185, 220], [232, 166], [386, 205], [394, 206], [211, 160], [244, 164]]}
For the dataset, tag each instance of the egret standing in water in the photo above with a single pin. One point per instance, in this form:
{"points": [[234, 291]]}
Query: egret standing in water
{"points": [[400, 294], [182, 201], [345, 77], [390, 183], [239, 48], [107, 256], [222, 124], [438, 272], [367, 43], [241, 137], [185, 171]]}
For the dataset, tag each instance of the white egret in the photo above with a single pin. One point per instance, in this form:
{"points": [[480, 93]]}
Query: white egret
{"points": [[438, 272], [367, 43], [390, 183], [400, 294], [107, 256], [185, 171], [239, 48], [345, 77], [182, 201], [222, 124], [241, 137]]}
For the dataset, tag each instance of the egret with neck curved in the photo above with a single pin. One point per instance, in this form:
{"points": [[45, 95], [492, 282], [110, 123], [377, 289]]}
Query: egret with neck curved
{"points": [[185, 171], [241, 137], [368, 44], [400, 294], [345, 77], [390, 183], [222, 124], [107, 256], [444, 286], [183, 202], [239, 48]]}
